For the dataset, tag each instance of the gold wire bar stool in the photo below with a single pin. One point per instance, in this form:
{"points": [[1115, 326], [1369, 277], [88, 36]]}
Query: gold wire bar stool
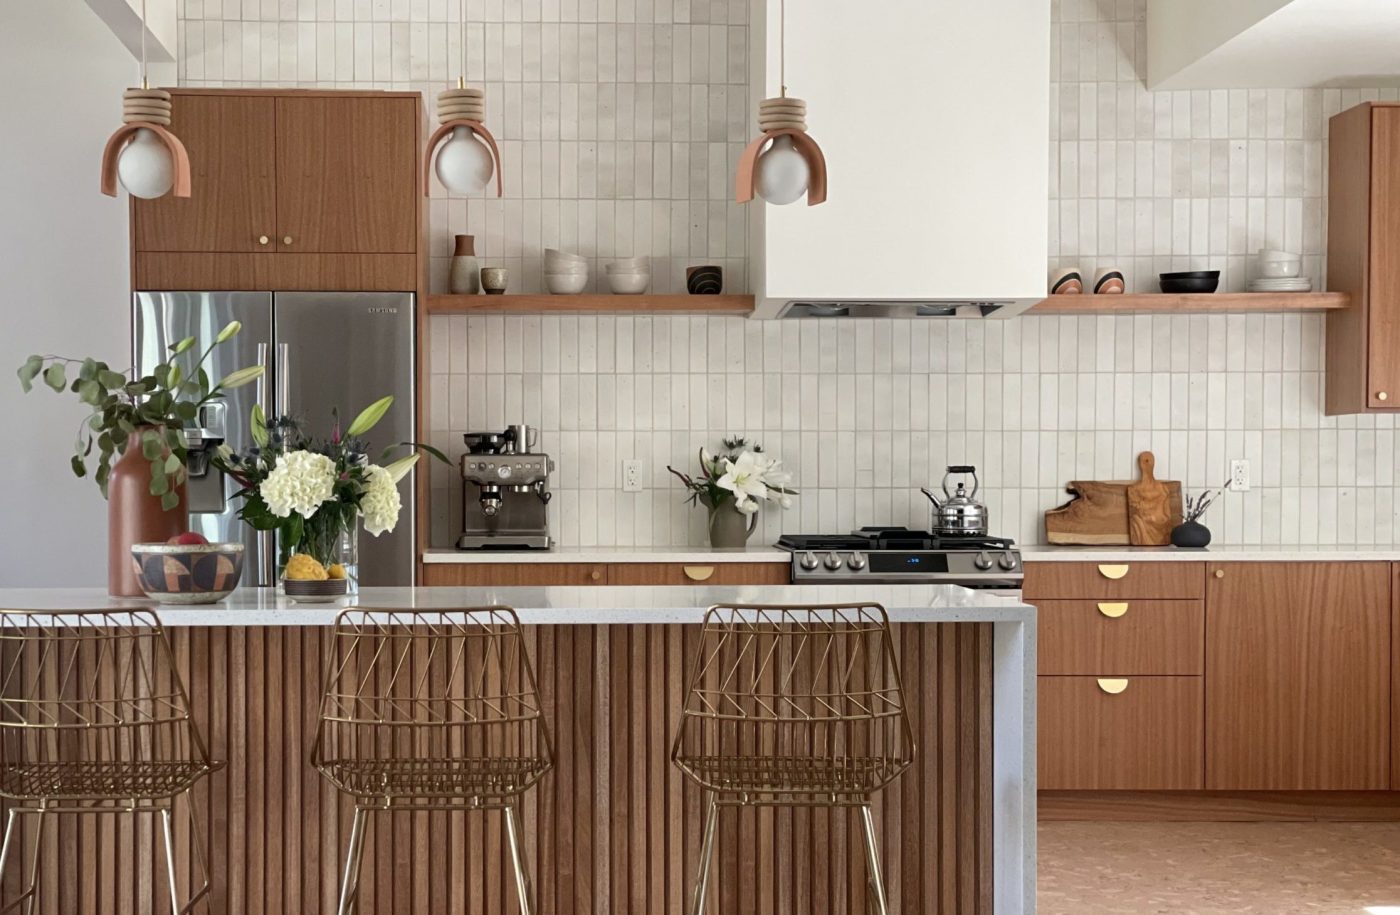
{"points": [[94, 718], [794, 706], [431, 710]]}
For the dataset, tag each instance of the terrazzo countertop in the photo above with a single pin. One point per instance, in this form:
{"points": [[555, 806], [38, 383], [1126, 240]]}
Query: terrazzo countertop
{"points": [[686, 554]]}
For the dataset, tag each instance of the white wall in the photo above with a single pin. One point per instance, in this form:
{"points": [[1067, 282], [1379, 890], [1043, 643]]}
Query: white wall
{"points": [[65, 275]]}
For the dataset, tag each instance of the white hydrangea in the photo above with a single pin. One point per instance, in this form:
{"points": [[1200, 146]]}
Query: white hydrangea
{"points": [[301, 482], [380, 503]]}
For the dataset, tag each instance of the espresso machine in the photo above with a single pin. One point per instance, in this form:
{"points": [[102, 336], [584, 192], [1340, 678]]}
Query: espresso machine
{"points": [[505, 491]]}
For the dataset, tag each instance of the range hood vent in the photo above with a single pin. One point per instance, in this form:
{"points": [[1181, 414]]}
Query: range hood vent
{"points": [[903, 309], [934, 119]]}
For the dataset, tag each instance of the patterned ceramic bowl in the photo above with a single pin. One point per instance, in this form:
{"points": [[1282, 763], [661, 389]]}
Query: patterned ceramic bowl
{"points": [[195, 574]]}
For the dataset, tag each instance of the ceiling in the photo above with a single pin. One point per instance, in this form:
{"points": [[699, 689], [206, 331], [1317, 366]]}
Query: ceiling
{"points": [[1210, 44]]}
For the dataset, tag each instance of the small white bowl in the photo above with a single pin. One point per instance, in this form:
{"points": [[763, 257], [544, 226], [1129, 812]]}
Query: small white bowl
{"points": [[629, 283], [580, 269], [1280, 269], [1271, 254], [629, 263], [565, 283]]}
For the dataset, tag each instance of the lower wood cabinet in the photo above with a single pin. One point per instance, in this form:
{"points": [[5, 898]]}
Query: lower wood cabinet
{"points": [[544, 574], [1135, 733], [1117, 638], [1298, 667]]}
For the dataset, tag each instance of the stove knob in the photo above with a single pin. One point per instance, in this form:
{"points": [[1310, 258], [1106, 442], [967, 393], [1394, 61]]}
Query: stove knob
{"points": [[983, 561], [856, 562], [1007, 561], [808, 561], [833, 561]]}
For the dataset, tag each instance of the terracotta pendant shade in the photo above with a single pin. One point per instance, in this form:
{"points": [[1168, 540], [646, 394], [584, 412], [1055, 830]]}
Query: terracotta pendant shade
{"points": [[782, 117], [146, 109], [461, 107]]}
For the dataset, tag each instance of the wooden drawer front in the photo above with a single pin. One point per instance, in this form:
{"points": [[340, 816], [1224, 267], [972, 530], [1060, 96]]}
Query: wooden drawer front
{"points": [[504, 575], [716, 573], [1119, 638], [282, 272], [1149, 736], [1093, 580]]}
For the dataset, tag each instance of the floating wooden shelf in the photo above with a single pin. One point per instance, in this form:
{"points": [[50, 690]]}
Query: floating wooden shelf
{"points": [[1198, 304], [601, 304]]}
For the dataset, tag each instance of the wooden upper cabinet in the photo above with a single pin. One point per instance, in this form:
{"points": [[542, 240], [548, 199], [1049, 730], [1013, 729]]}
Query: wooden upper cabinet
{"points": [[347, 174], [232, 202], [1298, 676], [1363, 259]]}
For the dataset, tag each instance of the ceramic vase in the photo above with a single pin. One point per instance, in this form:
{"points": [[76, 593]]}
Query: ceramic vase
{"points": [[135, 516], [1191, 535], [465, 276], [730, 528]]}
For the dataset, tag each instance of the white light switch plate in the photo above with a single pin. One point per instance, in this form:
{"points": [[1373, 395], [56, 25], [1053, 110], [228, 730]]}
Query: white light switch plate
{"points": [[631, 476]]}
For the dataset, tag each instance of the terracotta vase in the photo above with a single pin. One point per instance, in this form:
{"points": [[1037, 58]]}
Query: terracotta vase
{"points": [[135, 516]]}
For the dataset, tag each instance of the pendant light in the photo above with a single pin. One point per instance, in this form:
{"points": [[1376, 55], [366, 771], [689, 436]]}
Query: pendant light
{"points": [[143, 155], [469, 155], [784, 162]]}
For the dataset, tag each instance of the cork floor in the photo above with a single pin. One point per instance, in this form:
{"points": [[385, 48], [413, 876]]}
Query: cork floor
{"points": [[1089, 868]]}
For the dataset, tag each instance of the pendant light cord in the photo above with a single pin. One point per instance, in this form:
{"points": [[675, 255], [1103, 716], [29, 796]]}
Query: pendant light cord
{"points": [[462, 39], [144, 83], [782, 47]]}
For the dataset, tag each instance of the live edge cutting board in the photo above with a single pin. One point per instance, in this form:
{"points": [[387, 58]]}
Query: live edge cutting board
{"points": [[1101, 514]]}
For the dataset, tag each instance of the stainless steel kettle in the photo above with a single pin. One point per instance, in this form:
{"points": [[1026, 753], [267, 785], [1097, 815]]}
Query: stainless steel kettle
{"points": [[959, 512]]}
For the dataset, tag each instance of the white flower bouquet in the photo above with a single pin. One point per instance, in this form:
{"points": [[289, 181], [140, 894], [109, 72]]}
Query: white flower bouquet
{"points": [[314, 493], [735, 484]]}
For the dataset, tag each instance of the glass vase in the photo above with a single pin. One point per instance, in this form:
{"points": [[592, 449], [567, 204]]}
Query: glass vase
{"points": [[331, 540]]}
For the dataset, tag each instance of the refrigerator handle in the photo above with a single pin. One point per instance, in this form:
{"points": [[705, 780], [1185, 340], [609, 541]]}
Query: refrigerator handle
{"points": [[263, 381], [266, 568], [284, 379]]}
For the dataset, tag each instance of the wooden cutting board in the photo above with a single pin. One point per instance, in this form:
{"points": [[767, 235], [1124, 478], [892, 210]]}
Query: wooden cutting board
{"points": [[1152, 509], [1097, 515]]}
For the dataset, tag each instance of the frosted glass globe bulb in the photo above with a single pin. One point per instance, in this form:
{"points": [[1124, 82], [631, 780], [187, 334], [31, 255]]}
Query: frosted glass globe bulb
{"points": [[782, 173], [464, 164], [145, 167]]}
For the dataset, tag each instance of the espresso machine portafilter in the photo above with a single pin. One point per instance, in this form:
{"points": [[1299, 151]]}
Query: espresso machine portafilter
{"points": [[505, 491]]}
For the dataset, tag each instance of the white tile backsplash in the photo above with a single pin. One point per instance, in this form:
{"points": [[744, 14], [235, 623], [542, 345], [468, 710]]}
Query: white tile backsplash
{"points": [[619, 124]]}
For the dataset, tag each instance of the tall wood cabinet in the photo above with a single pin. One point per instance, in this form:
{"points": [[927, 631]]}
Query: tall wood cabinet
{"points": [[291, 190], [1363, 259], [1298, 676]]}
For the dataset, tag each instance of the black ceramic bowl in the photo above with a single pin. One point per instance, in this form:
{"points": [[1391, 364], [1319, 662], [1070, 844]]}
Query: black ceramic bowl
{"points": [[1189, 281]]}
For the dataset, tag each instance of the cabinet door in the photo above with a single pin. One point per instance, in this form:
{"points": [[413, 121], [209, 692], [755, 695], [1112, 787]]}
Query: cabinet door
{"points": [[232, 197], [347, 175], [1298, 676], [1383, 317]]}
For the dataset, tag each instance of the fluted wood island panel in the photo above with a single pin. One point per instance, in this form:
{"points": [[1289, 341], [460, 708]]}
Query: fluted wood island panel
{"points": [[612, 830]]}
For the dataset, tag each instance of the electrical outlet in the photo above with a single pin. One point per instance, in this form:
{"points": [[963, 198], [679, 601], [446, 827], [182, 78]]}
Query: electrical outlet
{"points": [[631, 476], [1239, 475]]}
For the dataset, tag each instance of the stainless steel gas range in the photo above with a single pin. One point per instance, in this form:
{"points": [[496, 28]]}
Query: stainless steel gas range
{"points": [[897, 555]]}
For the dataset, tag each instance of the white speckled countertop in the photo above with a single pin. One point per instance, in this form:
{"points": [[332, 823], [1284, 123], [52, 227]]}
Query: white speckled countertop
{"points": [[696, 555]]}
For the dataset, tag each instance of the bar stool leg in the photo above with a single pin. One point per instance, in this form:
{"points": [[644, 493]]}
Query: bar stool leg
{"points": [[872, 860], [169, 836], [9, 833], [707, 848], [197, 839], [523, 888], [350, 881]]}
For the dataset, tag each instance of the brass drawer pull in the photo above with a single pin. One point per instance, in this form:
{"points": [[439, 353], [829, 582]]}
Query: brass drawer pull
{"points": [[1113, 572], [1112, 686], [595, 575], [699, 573], [1113, 610], [1219, 573]]}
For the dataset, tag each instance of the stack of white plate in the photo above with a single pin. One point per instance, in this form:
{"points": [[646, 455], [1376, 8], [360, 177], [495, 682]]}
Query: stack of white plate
{"points": [[629, 275], [1281, 284], [564, 273]]}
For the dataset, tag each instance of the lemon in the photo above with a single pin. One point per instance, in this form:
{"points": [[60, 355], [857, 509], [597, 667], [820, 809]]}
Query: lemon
{"points": [[336, 571], [303, 567]]}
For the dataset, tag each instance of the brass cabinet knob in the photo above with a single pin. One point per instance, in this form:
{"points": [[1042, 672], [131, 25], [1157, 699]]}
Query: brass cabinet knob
{"points": [[1112, 686], [286, 239], [263, 239], [595, 575], [1382, 395], [1113, 610], [1113, 572], [699, 573], [1219, 573]]}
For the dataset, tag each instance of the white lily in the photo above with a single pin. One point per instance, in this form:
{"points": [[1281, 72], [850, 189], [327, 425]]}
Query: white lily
{"points": [[400, 468], [743, 477]]}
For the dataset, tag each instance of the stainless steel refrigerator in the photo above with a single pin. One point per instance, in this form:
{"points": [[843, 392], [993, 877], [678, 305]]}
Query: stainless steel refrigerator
{"points": [[322, 350]]}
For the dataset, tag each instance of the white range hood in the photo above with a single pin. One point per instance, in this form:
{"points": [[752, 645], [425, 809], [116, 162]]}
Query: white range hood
{"points": [[934, 119]]}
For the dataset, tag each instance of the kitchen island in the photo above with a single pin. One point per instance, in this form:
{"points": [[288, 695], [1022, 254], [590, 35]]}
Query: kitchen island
{"points": [[613, 828]]}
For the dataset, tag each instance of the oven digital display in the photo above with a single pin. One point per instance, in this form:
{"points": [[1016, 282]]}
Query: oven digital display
{"points": [[908, 562]]}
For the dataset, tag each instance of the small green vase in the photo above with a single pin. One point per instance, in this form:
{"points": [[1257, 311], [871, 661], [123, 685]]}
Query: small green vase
{"points": [[730, 528]]}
